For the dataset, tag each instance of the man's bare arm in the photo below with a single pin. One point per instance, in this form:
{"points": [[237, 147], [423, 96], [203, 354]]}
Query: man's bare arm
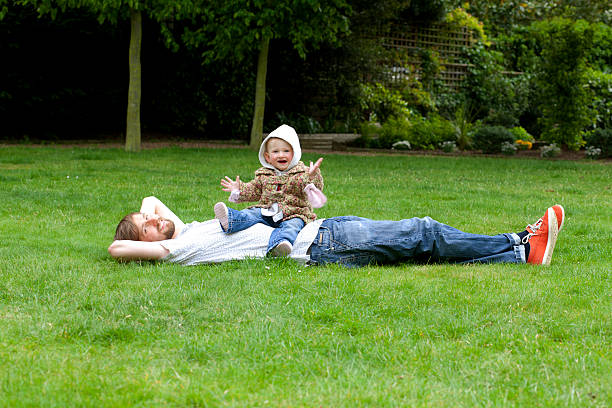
{"points": [[127, 250]]}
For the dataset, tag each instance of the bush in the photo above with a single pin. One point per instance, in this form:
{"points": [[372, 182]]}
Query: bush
{"points": [[394, 130], [562, 80], [428, 133], [463, 121], [501, 99], [600, 57], [508, 148], [600, 84], [490, 139], [301, 123], [593, 152], [370, 132], [552, 150], [448, 146], [520, 133], [523, 144], [380, 104], [601, 139], [417, 98], [422, 133]]}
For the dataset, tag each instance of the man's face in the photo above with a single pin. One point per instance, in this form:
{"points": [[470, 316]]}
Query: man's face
{"points": [[152, 227], [278, 153]]}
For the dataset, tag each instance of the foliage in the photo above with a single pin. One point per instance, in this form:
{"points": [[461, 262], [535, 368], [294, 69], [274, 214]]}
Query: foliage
{"points": [[523, 144], [592, 152], [600, 85], [501, 98], [448, 101], [464, 122], [423, 133], [561, 80], [238, 30], [415, 74], [429, 69], [508, 148], [501, 17], [448, 146], [520, 49], [459, 17], [489, 139], [234, 29], [600, 55], [301, 123], [417, 98], [602, 139], [520, 133], [422, 11], [380, 103], [325, 86], [369, 134], [551, 150], [394, 130]]}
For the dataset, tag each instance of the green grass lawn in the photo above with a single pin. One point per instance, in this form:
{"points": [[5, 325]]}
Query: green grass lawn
{"points": [[79, 329]]}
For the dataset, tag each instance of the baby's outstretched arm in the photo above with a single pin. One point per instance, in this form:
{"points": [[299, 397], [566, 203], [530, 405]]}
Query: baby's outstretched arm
{"points": [[314, 195], [229, 184], [314, 167]]}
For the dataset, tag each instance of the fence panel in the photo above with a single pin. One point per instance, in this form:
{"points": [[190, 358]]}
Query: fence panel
{"points": [[448, 42]]}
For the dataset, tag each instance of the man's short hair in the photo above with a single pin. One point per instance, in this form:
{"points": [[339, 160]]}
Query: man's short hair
{"points": [[126, 229]]}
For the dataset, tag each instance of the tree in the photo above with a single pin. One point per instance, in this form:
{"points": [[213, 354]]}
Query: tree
{"points": [[132, 132], [238, 29]]}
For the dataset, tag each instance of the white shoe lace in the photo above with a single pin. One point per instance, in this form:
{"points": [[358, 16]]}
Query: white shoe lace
{"points": [[534, 229]]}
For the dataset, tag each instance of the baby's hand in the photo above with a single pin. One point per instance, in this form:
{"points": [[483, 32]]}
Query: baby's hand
{"points": [[229, 184], [314, 167]]}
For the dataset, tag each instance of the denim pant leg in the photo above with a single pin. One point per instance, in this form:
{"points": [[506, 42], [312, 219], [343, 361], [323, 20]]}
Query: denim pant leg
{"points": [[241, 220], [285, 231], [354, 241]]}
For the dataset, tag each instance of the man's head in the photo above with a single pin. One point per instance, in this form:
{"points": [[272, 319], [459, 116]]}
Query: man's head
{"points": [[144, 227]]}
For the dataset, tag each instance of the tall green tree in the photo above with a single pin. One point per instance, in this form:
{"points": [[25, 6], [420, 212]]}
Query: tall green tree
{"points": [[240, 29]]}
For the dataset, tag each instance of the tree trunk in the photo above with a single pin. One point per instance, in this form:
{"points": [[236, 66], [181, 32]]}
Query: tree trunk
{"points": [[132, 134], [260, 96]]}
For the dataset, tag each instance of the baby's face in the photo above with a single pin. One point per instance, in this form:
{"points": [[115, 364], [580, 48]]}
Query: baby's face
{"points": [[278, 153]]}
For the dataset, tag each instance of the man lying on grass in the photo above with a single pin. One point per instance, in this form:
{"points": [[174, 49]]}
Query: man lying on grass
{"points": [[156, 233]]}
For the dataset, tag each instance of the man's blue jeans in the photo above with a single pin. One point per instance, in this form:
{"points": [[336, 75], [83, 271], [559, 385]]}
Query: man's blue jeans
{"points": [[283, 230], [355, 241]]}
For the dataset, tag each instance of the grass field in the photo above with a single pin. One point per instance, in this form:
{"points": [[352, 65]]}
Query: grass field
{"points": [[79, 329]]}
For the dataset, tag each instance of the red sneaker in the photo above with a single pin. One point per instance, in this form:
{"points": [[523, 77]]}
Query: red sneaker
{"points": [[559, 213], [542, 236]]}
